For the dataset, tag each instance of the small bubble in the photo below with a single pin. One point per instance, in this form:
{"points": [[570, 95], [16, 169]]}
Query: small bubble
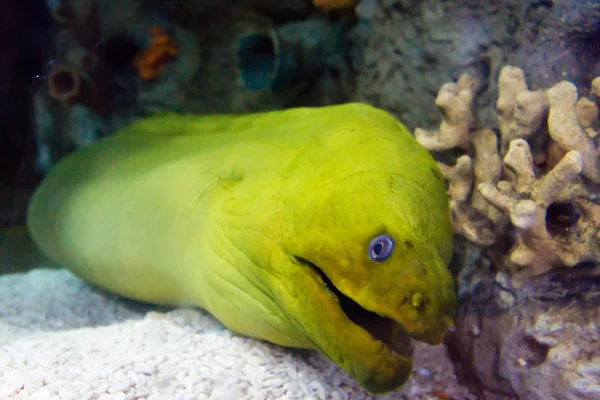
{"points": [[37, 81]]}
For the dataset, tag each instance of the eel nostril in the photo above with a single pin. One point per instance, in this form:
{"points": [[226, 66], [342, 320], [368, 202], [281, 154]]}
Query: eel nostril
{"points": [[418, 301]]}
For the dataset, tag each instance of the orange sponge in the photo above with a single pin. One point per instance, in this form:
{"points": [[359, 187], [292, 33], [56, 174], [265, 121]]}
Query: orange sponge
{"points": [[151, 61], [334, 4]]}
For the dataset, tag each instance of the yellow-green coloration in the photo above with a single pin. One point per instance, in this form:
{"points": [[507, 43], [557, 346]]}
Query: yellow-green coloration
{"points": [[265, 221]]}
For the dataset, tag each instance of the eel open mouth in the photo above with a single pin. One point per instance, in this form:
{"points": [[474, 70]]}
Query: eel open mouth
{"points": [[379, 327]]}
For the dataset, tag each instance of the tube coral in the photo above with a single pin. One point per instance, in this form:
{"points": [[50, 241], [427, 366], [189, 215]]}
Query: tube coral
{"points": [[66, 84]]}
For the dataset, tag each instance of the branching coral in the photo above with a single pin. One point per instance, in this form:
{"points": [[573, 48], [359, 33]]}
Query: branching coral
{"points": [[539, 246], [548, 195]]}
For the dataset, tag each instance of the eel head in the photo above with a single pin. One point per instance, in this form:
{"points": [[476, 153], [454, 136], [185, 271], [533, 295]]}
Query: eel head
{"points": [[365, 272]]}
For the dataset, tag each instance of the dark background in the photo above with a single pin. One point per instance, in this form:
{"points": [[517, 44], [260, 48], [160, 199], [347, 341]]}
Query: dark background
{"points": [[24, 50]]}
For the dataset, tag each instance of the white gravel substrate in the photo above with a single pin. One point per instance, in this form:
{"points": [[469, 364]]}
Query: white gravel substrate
{"points": [[60, 339]]}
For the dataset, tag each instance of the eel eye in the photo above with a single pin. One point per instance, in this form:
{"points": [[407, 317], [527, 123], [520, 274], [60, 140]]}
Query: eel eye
{"points": [[380, 248]]}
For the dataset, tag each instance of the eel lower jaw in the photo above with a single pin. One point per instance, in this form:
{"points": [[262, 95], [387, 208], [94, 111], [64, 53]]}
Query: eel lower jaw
{"points": [[381, 328]]}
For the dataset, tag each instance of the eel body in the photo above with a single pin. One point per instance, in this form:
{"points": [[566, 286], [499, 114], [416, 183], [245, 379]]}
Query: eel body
{"points": [[324, 228]]}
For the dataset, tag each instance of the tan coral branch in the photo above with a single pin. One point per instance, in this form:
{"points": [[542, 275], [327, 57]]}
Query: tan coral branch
{"points": [[596, 87], [518, 158], [520, 111], [459, 177], [566, 131], [455, 100], [587, 114], [547, 189]]}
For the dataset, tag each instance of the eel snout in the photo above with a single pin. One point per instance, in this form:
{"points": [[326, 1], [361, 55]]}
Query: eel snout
{"points": [[381, 328]]}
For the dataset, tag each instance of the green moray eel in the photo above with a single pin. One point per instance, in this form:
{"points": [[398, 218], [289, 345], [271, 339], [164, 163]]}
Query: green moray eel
{"points": [[325, 228]]}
